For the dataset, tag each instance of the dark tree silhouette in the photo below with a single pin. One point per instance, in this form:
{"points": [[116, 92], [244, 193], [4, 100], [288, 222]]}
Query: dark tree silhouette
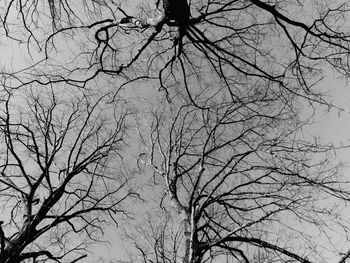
{"points": [[178, 11], [223, 134], [61, 174]]}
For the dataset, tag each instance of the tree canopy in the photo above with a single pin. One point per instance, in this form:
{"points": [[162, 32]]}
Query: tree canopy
{"points": [[178, 125]]}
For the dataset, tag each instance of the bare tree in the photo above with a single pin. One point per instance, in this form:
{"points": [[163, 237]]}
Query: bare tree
{"points": [[228, 149], [243, 180], [276, 43], [62, 174], [157, 238]]}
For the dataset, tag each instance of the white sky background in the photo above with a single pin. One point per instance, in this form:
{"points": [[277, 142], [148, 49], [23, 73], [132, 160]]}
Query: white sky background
{"points": [[333, 126]]}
